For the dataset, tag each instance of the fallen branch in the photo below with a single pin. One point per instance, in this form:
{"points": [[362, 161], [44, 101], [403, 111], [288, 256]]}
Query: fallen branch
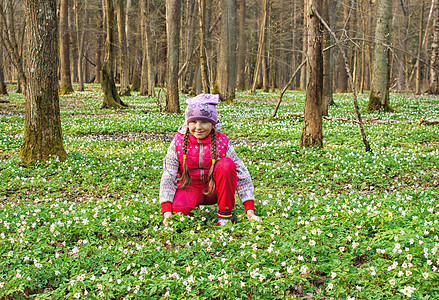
{"points": [[286, 86]]}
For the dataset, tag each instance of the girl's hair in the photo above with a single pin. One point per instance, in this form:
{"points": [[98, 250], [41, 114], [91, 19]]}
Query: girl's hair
{"points": [[212, 184], [186, 177]]}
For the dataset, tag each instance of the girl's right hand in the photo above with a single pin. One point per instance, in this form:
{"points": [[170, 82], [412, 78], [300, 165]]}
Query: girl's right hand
{"points": [[166, 216]]}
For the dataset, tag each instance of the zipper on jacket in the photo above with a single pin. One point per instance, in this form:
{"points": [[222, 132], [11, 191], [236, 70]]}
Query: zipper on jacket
{"points": [[200, 159]]}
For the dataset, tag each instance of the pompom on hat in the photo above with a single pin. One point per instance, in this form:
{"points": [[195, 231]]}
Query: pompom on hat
{"points": [[202, 107]]}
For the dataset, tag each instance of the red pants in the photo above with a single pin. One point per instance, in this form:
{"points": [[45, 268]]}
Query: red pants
{"points": [[186, 200]]}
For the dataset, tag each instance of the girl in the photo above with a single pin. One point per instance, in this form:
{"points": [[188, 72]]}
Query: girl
{"points": [[202, 168]]}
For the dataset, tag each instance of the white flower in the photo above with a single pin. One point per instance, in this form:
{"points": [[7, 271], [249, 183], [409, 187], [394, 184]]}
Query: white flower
{"points": [[392, 282], [408, 291], [77, 295], [312, 243], [333, 275], [330, 286], [425, 275]]}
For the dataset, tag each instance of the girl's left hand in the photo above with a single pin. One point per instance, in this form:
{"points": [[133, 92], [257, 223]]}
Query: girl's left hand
{"points": [[252, 217]]}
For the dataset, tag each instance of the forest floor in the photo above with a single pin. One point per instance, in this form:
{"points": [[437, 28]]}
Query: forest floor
{"points": [[337, 222]]}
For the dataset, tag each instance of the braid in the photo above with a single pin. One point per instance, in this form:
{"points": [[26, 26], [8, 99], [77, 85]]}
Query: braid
{"points": [[212, 184], [185, 177]]}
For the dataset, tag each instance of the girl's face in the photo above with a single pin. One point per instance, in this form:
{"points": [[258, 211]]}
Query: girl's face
{"points": [[200, 128]]}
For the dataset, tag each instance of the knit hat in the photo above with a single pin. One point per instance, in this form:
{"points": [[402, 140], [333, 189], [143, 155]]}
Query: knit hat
{"points": [[202, 107]]}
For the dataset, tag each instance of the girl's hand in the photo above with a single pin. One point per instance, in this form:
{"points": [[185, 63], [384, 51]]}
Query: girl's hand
{"points": [[166, 216], [252, 217]]}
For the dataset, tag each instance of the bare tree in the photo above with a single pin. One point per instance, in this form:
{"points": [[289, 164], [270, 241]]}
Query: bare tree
{"points": [[379, 90], [3, 90], [261, 46], [173, 8], [203, 46], [434, 58], [81, 33], [111, 96], [240, 81], [312, 133], [123, 50], [226, 78], [64, 51], [9, 39], [42, 132]]}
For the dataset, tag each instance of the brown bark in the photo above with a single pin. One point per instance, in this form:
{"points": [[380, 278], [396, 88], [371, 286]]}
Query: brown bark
{"points": [[123, 50], [303, 75], [226, 78], [42, 133], [327, 71], [240, 73], [342, 76], [111, 96], [173, 8], [261, 55], [135, 84], [434, 58], [99, 46], [3, 90], [186, 76], [312, 133], [64, 49], [203, 49], [73, 46], [418, 60], [81, 32], [379, 90]]}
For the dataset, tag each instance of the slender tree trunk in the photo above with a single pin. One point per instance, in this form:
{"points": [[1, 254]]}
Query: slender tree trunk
{"points": [[42, 132], [135, 85], [81, 40], [73, 46], [144, 67], [261, 46], [3, 90], [226, 80], [402, 66], [203, 48], [342, 77], [327, 71], [173, 9], [379, 91], [303, 74], [312, 133], [434, 58], [100, 34], [111, 96], [189, 41], [66, 81], [240, 81], [123, 50], [149, 61]]}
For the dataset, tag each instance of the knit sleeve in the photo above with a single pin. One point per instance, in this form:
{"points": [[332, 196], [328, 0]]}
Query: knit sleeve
{"points": [[168, 183], [245, 187]]}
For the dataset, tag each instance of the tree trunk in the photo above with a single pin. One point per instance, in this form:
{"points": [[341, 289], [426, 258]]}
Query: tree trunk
{"points": [[434, 58], [173, 8], [203, 49], [81, 40], [186, 75], [418, 60], [240, 81], [64, 49], [379, 91], [226, 80], [42, 133], [402, 66], [303, 74], [312, 133], [100, 34], [3, 90], [327, 71], [138, 43], [111, 96], [342, 77], [123, 50], [73, 46], [261, 46]]}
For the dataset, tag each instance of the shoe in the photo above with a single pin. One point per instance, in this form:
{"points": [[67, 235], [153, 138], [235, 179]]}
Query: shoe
{"points": [[223, 221]]}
